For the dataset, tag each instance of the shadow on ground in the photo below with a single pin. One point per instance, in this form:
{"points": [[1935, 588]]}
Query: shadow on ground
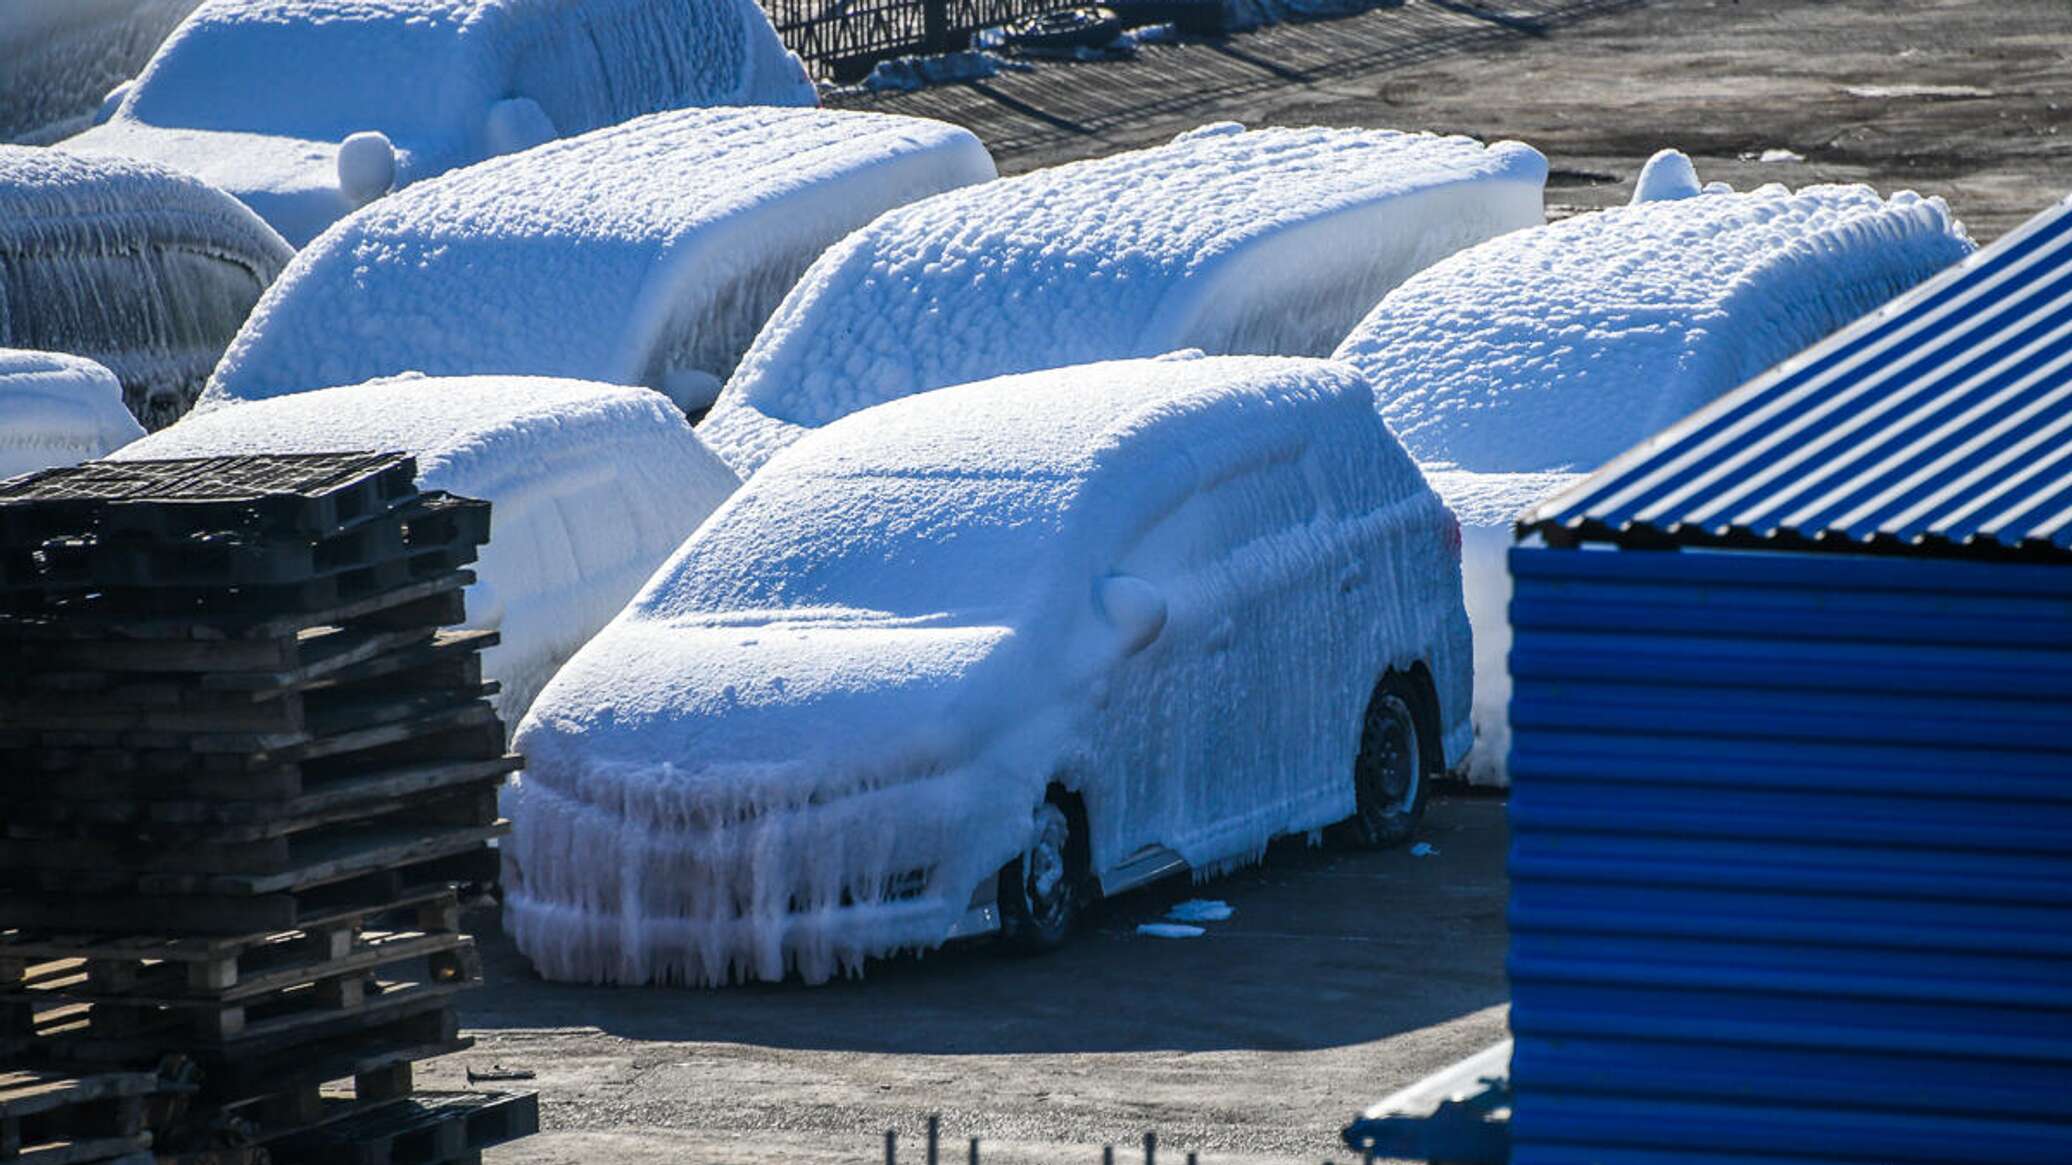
{"points": [[1060, 104], [1328, 948]]}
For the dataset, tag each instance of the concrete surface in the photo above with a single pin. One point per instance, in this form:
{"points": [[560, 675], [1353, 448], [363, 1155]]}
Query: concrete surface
{"points": [[1343, 976], [1968, 100]]}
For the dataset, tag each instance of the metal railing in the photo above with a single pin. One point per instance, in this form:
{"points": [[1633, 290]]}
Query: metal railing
{"points": [[844, 37]]}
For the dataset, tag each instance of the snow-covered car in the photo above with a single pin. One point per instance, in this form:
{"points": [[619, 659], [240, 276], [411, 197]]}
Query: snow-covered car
{"points": [[1270, 242], [1514, 368], [591, 487], [306, 109], [648, 253], [967, 659], [63, 55], [58, 410], [140, 268]]}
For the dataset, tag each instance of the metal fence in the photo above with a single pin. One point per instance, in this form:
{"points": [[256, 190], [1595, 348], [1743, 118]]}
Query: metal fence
{"points": [[843, 37]]}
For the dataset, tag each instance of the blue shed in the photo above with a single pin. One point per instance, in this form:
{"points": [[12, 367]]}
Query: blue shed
{"points": [[1792, 804]]}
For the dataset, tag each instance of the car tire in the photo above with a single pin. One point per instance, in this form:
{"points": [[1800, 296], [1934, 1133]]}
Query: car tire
{"points": [[1389, 774], [1044, 892]]}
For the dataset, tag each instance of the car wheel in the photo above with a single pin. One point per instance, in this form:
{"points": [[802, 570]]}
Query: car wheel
{"points": [[1389, 774], [1043, 892]]}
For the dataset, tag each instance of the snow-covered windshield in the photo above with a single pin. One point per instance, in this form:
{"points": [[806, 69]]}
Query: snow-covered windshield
{"points": [[970, 546], [312, 78]]}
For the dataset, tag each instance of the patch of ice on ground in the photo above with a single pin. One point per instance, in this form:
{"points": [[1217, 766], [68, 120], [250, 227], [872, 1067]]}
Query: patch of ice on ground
{"points": [[1512, 368], [1424, 849], [1273, 241], [830, 716], [591, 486], [58, 410], [144, 270], [647, 253], [1201, 910], [910, 74], [1777, 154], [1169, 930], [255, 96]]}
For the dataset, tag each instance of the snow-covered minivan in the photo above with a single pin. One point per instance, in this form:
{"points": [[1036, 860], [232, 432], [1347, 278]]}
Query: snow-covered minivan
{"points": [[968, 659], [306, 109]]}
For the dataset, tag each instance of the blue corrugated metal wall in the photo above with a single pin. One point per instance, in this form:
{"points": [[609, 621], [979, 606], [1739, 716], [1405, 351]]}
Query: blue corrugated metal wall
{"points": [[1791, 869]]}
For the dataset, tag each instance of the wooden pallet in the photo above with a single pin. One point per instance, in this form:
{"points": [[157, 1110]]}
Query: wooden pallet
{"points": [[55, 1118]]}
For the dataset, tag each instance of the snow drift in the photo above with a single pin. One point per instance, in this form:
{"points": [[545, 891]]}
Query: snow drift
{"points": [[257, 96], [645, 253], [1271, 242], [1169, 585], [591, 486], [1512, 368], [64, 55], [147, 271], [58, 410]]}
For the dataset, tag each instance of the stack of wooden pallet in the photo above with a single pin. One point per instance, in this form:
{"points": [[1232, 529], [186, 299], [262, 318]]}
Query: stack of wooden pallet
{"points": [[247, 778]]}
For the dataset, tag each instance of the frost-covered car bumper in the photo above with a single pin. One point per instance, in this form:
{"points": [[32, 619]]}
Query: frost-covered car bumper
{"points": [[605, 889]]}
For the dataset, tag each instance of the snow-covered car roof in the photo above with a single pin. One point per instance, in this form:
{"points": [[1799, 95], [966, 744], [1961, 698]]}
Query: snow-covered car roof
{"points": [[591, 486], [1271, 241], [58, 410], [257, 96], [1557, 348], [645, 253], [142, 268]]}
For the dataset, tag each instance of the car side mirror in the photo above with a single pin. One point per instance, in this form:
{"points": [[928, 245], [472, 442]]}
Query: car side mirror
{"points": [[113, 101], [1133, 607], [518, 123]]}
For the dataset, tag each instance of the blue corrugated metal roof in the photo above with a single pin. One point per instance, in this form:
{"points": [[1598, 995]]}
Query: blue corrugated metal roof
{"points": [[1941, 423]]}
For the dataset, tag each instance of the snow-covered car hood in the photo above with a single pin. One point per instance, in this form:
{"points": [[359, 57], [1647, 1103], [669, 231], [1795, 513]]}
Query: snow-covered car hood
{"points": [[748, 706], [292, 183]]}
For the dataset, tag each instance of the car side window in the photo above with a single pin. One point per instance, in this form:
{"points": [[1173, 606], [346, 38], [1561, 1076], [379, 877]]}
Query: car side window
{"points": [[1264, 499]]}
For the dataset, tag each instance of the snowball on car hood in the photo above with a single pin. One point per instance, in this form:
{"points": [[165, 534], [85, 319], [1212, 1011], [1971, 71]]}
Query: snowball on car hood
{"points": [[826, 719], [58, 410], [1272, 241], [645, 253], [1515, 367], [144, 269], [591, 486], [257, 95]]}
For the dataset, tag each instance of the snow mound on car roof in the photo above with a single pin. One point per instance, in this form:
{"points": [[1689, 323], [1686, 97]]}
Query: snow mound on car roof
{"points": [[1272, 242], [1556, 349], [591, 486], [646, 253], [142, 268], [827, 718], [58, 410]]}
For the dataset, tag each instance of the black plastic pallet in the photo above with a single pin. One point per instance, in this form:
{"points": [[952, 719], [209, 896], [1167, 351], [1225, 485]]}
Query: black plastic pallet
{"points": [[314, 494], [434, 521], [212, 603], [229, 640], [428, 1128]]}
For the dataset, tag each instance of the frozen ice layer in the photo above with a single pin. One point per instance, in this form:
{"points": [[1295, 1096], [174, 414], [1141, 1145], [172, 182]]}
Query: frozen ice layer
{"points": [[1169, 587], [646, 253], [139, 268], [591, 487], [259, 96], [58, 410], [1269, 242]]}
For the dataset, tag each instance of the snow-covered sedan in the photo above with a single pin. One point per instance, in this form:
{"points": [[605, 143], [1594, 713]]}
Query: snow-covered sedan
{"points": [[969, 659], [142, 269], [306, 109]]}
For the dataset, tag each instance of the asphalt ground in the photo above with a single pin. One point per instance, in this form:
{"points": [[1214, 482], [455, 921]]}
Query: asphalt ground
{"points": [[1342, 976]]}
